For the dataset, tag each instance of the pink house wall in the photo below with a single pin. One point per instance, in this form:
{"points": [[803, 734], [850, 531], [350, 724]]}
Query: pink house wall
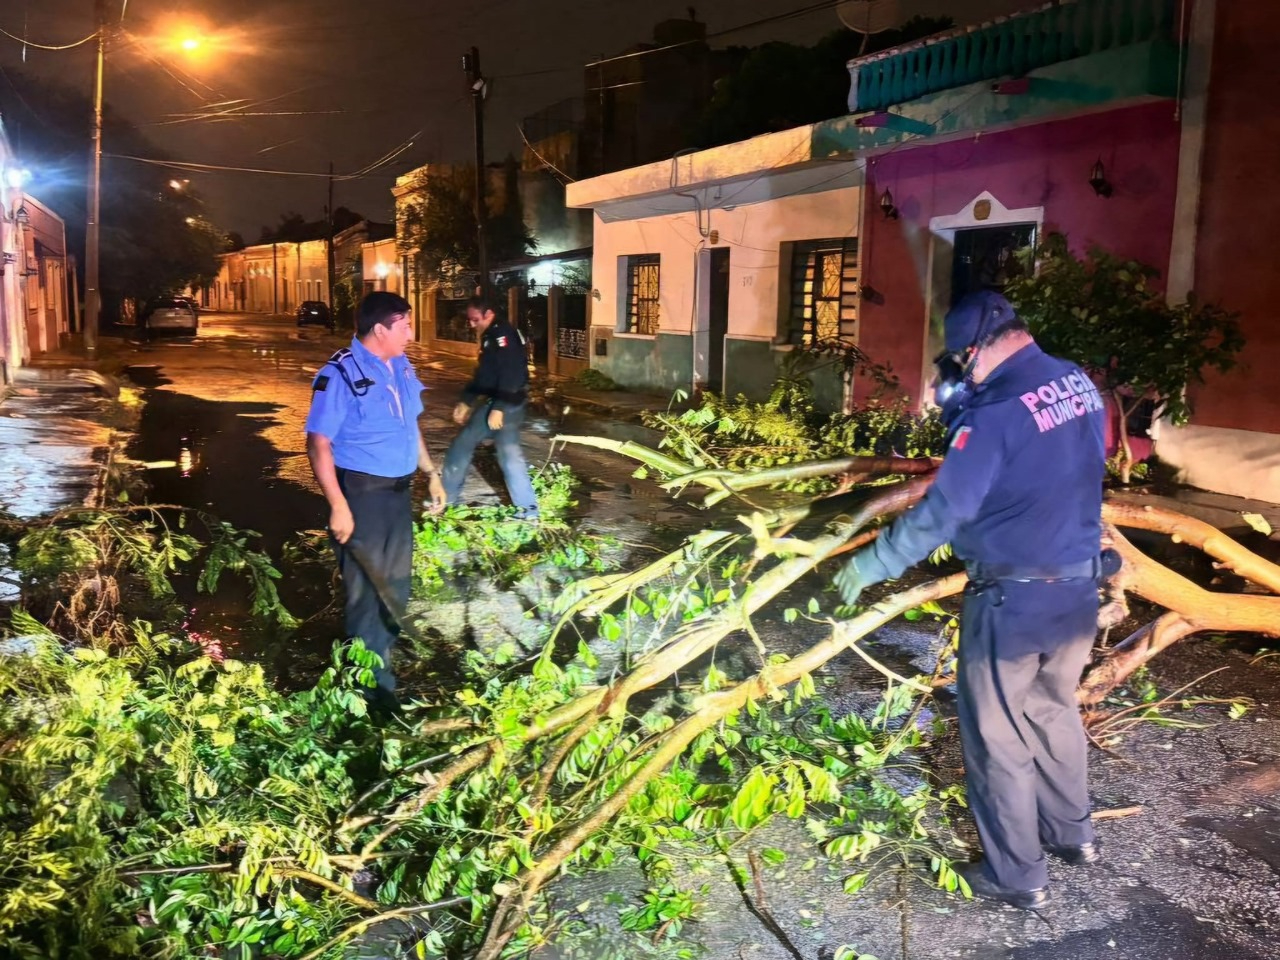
{"points": [[1045, 165], [1239, 208]]}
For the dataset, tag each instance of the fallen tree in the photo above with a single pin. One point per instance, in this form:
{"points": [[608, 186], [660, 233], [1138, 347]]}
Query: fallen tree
{"points": [[484, 797]]}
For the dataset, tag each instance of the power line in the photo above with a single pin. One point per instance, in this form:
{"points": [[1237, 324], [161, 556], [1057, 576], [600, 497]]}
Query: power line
{"points": [[46, 46]]}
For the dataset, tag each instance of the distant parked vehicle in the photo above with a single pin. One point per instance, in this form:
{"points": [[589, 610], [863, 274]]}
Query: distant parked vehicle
{"points": [[314, 311], [169, 313], [190, 301]]}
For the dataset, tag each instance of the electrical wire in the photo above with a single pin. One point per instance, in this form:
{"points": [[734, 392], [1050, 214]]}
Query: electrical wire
{"points": [[359, 174], [47, 46], [563, 177]]}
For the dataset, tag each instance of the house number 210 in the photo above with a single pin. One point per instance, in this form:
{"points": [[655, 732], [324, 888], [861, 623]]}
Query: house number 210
{"points": [[748, 280]]}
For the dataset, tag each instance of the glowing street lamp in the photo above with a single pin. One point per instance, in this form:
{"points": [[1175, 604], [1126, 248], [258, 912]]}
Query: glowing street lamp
{"points": [[188, 42]]}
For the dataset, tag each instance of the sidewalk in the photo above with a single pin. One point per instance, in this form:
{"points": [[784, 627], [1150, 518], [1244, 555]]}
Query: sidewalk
{"points": [[572, 394]]}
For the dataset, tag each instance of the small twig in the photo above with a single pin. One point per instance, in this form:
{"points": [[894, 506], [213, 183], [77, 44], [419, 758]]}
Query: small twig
{"points": [[1115, 813], [362, 925], [364, 903], [381, 784]]}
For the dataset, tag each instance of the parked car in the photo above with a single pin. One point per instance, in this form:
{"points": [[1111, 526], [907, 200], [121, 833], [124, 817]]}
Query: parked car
{"points": [[169, 313], [314, 311], [190, 301]]}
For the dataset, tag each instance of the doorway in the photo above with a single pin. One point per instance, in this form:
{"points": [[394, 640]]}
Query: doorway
{"points": [[986, 258], [717, 318]]}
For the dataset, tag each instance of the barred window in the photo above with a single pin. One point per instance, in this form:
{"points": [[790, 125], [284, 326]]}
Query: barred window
{"points": [[643, 282], [824, 291]]}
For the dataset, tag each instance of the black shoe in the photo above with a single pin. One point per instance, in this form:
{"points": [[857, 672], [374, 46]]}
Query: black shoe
{"points": [[987, 889], [1077, 856]]}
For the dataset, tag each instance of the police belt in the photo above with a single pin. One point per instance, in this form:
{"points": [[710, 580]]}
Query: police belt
{"points": [[368, 482], [987, 572]]}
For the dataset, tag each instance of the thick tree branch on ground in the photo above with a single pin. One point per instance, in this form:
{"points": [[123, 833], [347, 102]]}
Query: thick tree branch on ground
{"points": [[708, 711], [1192, 609]]}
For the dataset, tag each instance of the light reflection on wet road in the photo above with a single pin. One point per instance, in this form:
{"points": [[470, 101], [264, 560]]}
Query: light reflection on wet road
{"points": [[53, 445], [228, 410]]}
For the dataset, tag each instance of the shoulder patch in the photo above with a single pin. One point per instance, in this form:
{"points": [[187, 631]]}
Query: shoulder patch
{"points": [[322, 383], [961, 438], [502, 341]]}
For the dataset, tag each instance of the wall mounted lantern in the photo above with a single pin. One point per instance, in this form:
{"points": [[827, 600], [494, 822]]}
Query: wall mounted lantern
{"points": [[887, 206], [1098, 180]]}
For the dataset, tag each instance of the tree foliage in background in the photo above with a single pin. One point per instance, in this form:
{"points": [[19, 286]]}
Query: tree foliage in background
{"points": [[293, 227], [147, 245], [1105, 313], [777, 86], [438, 225]]}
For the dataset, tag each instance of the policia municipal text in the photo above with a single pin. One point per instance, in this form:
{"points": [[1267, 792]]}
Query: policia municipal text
{"points": [[364, 445], [1019, 497]]}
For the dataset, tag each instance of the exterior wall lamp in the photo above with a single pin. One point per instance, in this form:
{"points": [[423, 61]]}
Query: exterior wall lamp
{"points": [[1098, 180], [887, 206]]}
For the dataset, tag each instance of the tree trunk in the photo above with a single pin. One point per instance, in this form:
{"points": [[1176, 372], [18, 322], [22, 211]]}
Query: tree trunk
{"points": [[1124, 455], [1192, 609]]}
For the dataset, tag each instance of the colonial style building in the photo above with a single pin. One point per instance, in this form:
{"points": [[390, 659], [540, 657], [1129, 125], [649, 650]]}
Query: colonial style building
{"points": [[1120, 123]]}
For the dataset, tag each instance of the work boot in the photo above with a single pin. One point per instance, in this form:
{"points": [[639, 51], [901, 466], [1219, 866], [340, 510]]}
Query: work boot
{"points": [[982, 886], [1077, 856]]}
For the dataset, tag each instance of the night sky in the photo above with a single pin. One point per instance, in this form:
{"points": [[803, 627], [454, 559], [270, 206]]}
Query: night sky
{"points": [[355, 80]]}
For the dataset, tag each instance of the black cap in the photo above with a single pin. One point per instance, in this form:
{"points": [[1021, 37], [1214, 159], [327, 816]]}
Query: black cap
{"points": [[977, 316]]}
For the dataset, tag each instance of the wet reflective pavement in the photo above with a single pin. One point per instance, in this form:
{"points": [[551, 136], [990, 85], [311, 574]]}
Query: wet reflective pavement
{"points": [[54, 444], [228, 409]]}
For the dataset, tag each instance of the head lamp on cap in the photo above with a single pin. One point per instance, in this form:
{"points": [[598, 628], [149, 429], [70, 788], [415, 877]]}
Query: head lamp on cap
{"points": [[976, 319]]}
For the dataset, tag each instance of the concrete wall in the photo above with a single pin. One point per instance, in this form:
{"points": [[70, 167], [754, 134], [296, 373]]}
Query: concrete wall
{"points": [[758, 282], [1041, 170]]}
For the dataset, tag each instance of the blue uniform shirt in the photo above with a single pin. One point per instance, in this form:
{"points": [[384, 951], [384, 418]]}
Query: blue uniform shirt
{"points": [[369, 411], [1021, 483]]}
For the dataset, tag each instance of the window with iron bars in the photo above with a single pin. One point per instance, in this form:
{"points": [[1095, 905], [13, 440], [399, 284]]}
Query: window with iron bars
{"points": [[824, 291], [643, 282]]}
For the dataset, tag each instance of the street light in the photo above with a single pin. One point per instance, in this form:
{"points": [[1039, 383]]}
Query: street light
{"points": [[92, 293]]}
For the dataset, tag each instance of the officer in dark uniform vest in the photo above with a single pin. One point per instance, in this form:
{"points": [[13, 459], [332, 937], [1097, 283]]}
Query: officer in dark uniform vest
{"points": [[1019, 497], [493, 405], [364, 445]]}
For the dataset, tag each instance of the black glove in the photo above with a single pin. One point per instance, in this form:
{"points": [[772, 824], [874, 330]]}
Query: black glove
{"points": [[850, 582]]}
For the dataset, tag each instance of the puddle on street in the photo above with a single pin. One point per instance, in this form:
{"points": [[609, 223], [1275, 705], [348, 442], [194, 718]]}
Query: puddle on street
{"points": [[225, 466]]}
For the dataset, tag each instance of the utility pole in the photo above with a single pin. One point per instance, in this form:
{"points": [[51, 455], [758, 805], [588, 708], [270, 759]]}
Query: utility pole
{"points": [[479, 89], [92, 295], [329, 251]]}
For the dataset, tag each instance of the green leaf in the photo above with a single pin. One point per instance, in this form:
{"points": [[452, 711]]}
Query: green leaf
{"points": [[1258, 522], [856, 882]]}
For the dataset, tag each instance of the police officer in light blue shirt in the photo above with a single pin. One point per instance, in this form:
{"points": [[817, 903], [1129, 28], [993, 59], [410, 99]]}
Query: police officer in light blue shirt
{"points": [[1019, 497], [364, 445]]}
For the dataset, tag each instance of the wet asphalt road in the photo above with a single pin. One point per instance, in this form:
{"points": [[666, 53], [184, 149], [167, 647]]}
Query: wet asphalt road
{"points": [[229, 407]]}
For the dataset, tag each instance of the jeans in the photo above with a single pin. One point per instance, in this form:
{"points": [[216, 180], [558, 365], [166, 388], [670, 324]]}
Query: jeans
{"points": [[383, 540], [1024, 647], [506, 442]]}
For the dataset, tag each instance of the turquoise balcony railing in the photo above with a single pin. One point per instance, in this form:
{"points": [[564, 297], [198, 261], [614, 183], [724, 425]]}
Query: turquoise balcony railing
{"points": [[1010, 46]]}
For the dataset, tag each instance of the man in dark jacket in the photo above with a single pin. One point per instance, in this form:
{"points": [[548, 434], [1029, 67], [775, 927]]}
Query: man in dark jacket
{"points": [[493, 405], [1019, 497]]}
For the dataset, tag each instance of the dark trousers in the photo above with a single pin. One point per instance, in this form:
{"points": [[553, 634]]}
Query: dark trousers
{"points": [[1023, 648], [506, 443], [381, 550]]}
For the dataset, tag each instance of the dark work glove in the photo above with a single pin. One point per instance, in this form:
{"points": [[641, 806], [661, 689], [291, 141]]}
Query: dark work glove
{"points": [[850, 581]]}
